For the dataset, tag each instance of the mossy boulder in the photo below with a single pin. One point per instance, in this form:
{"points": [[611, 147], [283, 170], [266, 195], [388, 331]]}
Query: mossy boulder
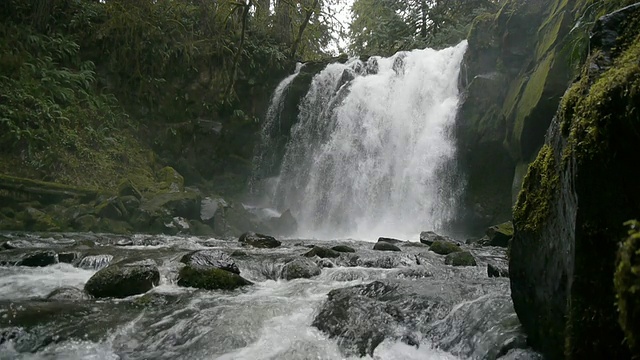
{"points": [[444, 247], [627, 286], [322, 252], [128, 188], [500, 235], [36, 220], [210, 279], [300, 269], [460, 258], [124, 278], [170, 180]]}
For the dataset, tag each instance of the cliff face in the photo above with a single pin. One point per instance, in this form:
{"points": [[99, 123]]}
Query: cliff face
{"points": [[519, 63], [575, 198]]}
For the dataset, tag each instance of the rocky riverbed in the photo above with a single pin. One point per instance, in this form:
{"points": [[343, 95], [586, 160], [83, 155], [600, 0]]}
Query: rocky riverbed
{"points": [[77, 296]]}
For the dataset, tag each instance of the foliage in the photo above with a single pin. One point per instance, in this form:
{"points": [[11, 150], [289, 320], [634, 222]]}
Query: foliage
{"points": [[387, 26]]}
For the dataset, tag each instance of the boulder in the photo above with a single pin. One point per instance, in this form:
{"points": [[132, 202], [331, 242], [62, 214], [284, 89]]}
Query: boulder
{"points": [[444, 247], [170, 180], [300, 269], [343, 249], [210, 279], [285, 225], [259, 240], [85, 223], [500, 235], [110, 209], [128, 188], [460, 258], [208, 259], [390, 240], [68, 257], [37, 220], [497, 271], [184, 204], [322, 252], [122, 279], [200, 229], [385, 246], [39, 259], [429, 237]]}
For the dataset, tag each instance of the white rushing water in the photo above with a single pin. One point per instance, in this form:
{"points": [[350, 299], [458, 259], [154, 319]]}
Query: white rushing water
{"points": [[372, 153]]}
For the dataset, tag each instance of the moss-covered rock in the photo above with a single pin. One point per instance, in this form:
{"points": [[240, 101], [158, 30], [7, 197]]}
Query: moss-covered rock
{"points": [[627, 285], [210, 279], [444, 247], [500, 235], [170, 180], [37, 220], [122, 279], [460, 258]]}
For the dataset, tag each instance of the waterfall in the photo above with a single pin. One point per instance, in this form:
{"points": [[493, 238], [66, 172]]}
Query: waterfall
{"points": [[265, 159], [372, 152]]}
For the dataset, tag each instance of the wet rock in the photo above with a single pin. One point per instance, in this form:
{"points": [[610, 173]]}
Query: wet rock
{"points": [[124, 279], [259, 240], [86, 222], [208, 259], [444, 247], [385, 246], [429, 237], [325, 263], [109, 209], [363, 316], [285, 225], [322, 252], [68, 257], [500, 235], [300, 269], [37, 220], [67, 294], [200, 229], [210, 279], [383, 262], [460, 258], [343, 249], [130, 203], [497, 271], [39, 259], [390, 240], [185, 204], [239, 253], [128, 188]]}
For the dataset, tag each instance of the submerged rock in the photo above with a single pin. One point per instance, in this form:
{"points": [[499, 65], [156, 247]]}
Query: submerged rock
{"points": [[322, 252], [385, 246], [208, 259], [259, 240], [444, 248], [343, 249], [39, 259], [300, 268], [124, 279], [68, 293], [460, 258], [210, 279]]}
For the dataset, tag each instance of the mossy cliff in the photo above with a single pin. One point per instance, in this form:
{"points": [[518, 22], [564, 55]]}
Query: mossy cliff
{"points": [[519, 63], [569, 217]]}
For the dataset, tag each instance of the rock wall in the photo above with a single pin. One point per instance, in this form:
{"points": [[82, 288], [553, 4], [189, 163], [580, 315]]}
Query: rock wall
{"points": [[575, 198], [519, 63]]}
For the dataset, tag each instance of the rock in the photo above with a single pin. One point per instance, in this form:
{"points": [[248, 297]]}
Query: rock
{"points": [[208, 259], [67, 294], [390, 240], [285, 225], [321, 252], [429, 237], [170, 180], [130, 203], [460, 258], [384, 246], [200, 229], [325, 263], [210, 279], [500, 235], [122, 279], [37, 220], [176, 225], [343, 249], [127, 188], [497, 271], [109, 209], [239, 253], [184, 204], [86, 223], [39, 259], [300, 269], [627, 288], [383, 262], [68, 257], [259, 240], [444, 248]]}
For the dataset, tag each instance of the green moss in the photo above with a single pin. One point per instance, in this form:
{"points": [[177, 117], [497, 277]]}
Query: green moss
{"points": [[210, 279], [550, 33], [627, 285], [540, 185], [460, 258], [444, 247]]}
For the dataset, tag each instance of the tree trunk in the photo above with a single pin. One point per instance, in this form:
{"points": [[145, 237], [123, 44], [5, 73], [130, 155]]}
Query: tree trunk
{"points": [[303, 26], [237, 56]]}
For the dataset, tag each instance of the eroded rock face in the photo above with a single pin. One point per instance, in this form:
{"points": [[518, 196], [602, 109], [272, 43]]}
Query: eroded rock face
{"points": [[125, 278], [259, 240]]}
